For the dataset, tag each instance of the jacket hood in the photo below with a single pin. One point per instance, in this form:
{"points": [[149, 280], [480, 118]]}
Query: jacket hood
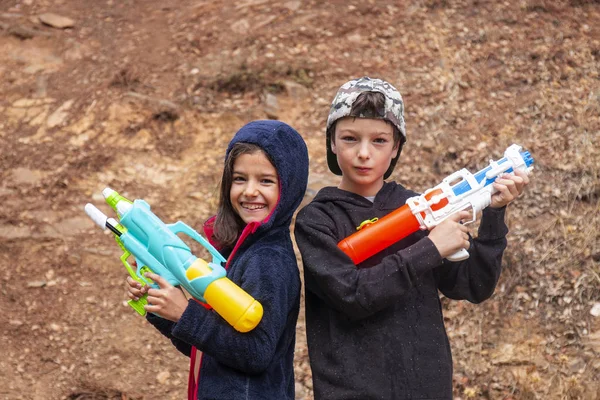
{"points": [[350, 200], [288, 151]]}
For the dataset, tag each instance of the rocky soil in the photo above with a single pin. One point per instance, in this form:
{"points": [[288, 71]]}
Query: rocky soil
{"points": [[144, 96]]}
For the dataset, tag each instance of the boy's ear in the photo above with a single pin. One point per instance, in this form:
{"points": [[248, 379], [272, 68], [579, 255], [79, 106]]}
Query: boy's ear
{"points": [[396, 149], [332, 144]]}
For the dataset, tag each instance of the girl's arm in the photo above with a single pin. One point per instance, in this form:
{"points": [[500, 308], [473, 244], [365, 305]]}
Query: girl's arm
{"points": [[165, 327], [271, 277], [135, 291]]}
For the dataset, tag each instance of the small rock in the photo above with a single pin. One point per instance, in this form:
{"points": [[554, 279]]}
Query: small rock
{"points": [[355, 38], [26, 176], [241, 26], [163, 377], [74, 259], [292, 5], [271, 107], [428, 145], [295, 90], [300, 391], [56, 21], [59, 116], [197, 195], [595, 311]]}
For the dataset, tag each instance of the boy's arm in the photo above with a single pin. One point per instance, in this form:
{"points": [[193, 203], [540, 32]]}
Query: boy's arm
{"points": [[271, 277], [475, 278], [357, 292]]}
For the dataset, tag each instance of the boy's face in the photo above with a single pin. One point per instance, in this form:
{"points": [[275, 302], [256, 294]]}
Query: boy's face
{"points": [[255, 188], [364, 148]]}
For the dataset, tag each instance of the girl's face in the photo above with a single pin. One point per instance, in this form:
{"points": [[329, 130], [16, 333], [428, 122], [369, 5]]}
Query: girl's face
{"points": [[255, 187]]}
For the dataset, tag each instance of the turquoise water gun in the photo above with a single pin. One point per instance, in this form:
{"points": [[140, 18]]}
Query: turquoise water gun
{"points": [[157, 248]]}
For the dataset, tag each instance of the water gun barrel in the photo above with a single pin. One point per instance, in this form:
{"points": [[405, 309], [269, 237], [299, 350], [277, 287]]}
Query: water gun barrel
{"points": [[232, 303], [376, 236], [104, 222], [488, 175]]}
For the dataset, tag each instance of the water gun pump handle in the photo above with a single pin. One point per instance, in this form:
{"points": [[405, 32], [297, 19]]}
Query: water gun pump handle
{"points": [[460, 255]]}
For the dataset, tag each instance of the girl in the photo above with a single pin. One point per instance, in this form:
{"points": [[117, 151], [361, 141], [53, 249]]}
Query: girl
{"points": [[264, 180]]}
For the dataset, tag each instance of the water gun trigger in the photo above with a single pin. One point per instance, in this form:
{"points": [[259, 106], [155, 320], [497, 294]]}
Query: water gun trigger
{"points": [[473, 214], [137, 275]]}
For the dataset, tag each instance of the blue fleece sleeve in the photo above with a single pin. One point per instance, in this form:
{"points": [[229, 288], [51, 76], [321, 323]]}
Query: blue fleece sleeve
{"points": [[356, 292], [165, 326], [475, 278], [271, 277]]}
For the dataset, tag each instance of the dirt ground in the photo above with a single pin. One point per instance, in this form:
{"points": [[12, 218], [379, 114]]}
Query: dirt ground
{"points": [[144, 96]]}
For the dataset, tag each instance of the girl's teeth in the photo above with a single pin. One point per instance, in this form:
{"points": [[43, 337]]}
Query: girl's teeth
{"points": [[253, 207]]}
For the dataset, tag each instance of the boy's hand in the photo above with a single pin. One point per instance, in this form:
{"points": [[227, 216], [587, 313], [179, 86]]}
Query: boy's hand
{"points": [[450, 236], [509, 186], [168, 302]]}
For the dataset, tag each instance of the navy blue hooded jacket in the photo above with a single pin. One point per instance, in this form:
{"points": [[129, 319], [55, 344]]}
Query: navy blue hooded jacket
{"points": [[257, 364]]}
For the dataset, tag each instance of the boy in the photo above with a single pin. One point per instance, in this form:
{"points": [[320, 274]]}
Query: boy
{"points": [[376, 330]]}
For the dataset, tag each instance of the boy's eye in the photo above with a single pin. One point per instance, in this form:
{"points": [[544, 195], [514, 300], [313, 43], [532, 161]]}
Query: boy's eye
{"points": [[381, 140], [267, 181], [239, 179], [348, 138]]}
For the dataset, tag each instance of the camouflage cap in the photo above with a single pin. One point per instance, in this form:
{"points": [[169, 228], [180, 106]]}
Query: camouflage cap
{"points": [[342, 105]]}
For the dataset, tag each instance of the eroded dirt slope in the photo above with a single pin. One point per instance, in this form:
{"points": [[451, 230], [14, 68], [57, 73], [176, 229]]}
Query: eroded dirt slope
{"points": [[144, 96]]}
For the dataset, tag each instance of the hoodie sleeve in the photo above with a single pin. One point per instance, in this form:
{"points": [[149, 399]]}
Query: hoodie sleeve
{"points": [[165, 326], [271, 277], [356, 292], [475, 278]]}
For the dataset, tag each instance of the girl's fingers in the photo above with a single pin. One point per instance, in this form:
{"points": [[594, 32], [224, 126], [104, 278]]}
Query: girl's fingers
{"points": [[162, 283], [155, 293], [133, 283], [151, 308], [152, 299]]}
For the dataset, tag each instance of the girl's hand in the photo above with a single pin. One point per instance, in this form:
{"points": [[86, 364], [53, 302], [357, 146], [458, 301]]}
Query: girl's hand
{"points": [[509, 186], [450, 236], [168, 302], [135, 290]]}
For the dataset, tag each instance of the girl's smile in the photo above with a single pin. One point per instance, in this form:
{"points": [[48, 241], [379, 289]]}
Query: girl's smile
{"points": [[255, 188]]}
